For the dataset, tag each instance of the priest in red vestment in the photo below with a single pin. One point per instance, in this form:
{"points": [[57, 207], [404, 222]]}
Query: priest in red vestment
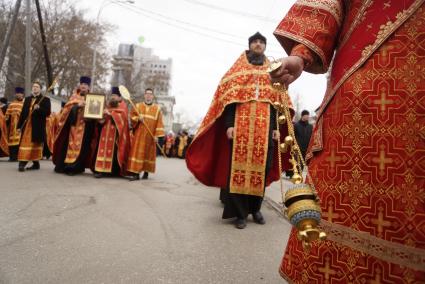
{"points": [[367, 153], [234, 148], [76, 137], [114, 140]]}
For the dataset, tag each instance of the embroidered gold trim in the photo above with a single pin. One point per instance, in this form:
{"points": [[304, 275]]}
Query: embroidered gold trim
{"points": [[307, 43], [243, 73], [392, 252], [332, 6], [248, 167], [141, 161]]}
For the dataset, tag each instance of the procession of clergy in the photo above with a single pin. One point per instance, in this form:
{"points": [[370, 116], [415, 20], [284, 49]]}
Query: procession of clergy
{"points": [[119, 144], [365, 158]]}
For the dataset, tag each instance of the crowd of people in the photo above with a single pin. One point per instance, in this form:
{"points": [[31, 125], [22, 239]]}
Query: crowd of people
{"points": [[175, 146], [119, 143]]}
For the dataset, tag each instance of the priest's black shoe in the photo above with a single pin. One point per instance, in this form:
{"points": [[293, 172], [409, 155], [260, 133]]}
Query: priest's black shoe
{"points": [[21, 166], [98, 175], [240, 223], [134, 177], [145, 175], [35, 166], [258, 218]]}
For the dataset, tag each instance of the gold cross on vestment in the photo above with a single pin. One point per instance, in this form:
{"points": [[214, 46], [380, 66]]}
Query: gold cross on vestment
{"points": [[327, 270], [244, 116], [238, 178], [387, 4], [383, 101], [242, 143], [261, 118], [330, 214], [380, 222], [333, 159], [382, 160], [258, 147]]}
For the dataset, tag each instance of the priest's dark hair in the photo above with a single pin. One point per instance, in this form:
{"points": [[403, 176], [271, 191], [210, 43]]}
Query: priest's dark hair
{"points": [[305, 112], [38, 83], [148, 89]]}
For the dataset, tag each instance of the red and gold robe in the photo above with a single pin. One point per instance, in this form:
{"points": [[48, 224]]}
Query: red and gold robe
{"points": [[4, 148], [142, 155], [51, 127], [182, 146], [208, 156], [12, 117], [74, 134], [114, 135], [367, 153], [169, 143]]}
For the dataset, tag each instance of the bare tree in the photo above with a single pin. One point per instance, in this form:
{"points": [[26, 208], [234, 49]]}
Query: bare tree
{"points": [[70, 41]]}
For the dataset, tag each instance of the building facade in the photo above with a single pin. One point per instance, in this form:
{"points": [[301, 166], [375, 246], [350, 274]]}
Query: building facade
{"points": [[138, 68]]}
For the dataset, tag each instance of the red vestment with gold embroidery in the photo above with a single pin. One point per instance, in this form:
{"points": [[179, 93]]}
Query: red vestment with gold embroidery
{"points": [[367, 153], [4, 147], [114, 135], [208, 156]]}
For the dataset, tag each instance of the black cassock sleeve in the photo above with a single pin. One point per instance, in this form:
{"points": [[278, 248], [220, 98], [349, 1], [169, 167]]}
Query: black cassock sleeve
{"points": [[72, 119], [273, 125], [229, 116]]}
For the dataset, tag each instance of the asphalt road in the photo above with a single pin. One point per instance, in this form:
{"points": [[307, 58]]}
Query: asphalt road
{"points": [[168, 229]]}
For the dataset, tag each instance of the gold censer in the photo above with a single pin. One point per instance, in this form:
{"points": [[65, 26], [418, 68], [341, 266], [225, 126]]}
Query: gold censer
{"points": [[301, 202]]}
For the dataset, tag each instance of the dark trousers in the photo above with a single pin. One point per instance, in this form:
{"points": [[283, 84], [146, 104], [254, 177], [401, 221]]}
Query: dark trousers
{"points": [[13, 153]]}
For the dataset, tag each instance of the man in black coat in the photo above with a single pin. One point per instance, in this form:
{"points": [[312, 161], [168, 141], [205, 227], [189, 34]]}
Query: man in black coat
{"points": [[3, 104], [303, 130], [32, 124]]}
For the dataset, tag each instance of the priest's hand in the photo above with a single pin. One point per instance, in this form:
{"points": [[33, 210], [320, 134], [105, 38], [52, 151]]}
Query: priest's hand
{"points": [[36, 107], [106, 112], [230, 132], [81, 103], [275, 135], [289, 71], [140, 118]]}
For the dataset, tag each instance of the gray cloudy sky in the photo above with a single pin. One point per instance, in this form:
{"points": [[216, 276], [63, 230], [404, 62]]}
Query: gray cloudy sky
{"points": [[203, 38]]}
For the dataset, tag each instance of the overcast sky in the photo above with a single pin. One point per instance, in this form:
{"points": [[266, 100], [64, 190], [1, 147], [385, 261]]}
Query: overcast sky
{"points": [[203, 38]]}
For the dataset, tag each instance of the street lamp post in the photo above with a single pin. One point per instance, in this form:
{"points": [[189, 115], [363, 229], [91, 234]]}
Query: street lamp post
{"points": [[103, 5]]}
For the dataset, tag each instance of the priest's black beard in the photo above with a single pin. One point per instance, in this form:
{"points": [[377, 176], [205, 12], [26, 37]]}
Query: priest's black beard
{"points": [[255, 59]]}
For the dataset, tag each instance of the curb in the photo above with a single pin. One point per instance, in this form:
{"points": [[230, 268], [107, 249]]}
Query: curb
{"points": [[275, 206]]}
